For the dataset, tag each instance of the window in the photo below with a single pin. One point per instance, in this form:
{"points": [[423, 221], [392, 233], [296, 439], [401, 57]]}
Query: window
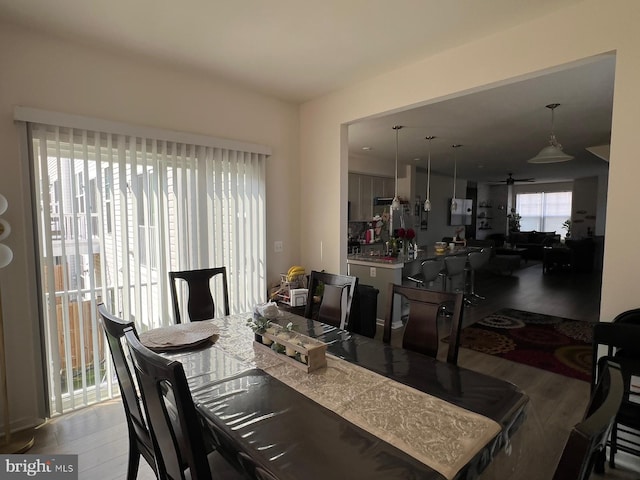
{"points": [[543, 211], [133, 209]]}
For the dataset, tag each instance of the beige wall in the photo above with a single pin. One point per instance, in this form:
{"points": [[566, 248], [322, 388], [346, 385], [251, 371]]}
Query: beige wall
{"points": [[51, 74], [589, 28]]}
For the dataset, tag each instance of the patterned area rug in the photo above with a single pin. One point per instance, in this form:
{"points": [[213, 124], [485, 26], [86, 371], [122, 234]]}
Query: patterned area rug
{"points": [[556, 344]]}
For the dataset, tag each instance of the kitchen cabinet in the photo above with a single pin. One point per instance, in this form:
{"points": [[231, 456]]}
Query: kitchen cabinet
{"points": [[363, 189]]}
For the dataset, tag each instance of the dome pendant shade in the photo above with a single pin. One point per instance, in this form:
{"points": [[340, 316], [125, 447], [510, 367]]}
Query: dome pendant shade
{"points": [[552, 153]]}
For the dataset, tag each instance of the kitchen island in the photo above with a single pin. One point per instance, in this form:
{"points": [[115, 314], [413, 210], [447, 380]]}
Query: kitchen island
{"points": [[378, 271]]}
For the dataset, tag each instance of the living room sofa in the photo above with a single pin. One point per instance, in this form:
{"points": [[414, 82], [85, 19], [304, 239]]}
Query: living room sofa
{"points": [[500, 264], [534, 242]]}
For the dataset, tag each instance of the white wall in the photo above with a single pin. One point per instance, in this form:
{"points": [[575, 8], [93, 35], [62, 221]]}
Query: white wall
{"points": [[371, 166], [588, 28], [52, 74]]}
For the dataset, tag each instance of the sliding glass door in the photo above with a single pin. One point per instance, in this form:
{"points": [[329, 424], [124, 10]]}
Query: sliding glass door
{"points": [[115, 214]]}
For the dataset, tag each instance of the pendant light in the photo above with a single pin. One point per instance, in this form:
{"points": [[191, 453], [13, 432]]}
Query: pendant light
{"points": [[395, 204], [454, 204], [552, 153], [427, 201]]}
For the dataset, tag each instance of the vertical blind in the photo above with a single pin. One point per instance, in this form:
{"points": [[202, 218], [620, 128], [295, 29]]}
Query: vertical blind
{"points": [[115, 214]]}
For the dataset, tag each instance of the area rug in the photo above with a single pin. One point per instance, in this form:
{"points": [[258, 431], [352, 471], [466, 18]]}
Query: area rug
{"points": [[556, 344]]}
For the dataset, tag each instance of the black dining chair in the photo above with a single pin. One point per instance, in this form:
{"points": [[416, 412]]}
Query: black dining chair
{"points": [[585, 448], [139, 437], [619, 341], [330, 288], [421, 332], [200, 302], [174, 425]]}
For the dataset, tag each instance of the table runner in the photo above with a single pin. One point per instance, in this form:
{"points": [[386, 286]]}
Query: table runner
{"points": [[396, 413]]}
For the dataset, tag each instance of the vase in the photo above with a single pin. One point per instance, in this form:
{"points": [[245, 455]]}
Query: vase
{"points": [[393, 244]]}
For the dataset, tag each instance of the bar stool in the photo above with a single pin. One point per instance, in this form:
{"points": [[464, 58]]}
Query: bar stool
{"points": [[476, 261], [413, 274], [454, 267], [431, 271]]}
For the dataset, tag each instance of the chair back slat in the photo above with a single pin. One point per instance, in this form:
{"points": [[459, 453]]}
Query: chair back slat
{"points": [[331, 310], [175, 430], [139, 437], [200, 301], [426, 307], [585, 447]]}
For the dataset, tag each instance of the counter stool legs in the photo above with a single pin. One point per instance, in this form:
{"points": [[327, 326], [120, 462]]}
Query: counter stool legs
{"points": [[476, 260]]}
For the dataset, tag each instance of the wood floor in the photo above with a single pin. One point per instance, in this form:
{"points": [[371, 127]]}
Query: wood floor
{"points": [[98, 434]]}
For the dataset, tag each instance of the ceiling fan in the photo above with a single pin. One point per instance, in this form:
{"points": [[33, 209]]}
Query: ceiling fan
{"points": [[510, 180]]}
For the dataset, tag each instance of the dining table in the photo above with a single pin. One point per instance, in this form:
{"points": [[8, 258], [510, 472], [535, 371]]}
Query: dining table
{"points": [[373, 412]]}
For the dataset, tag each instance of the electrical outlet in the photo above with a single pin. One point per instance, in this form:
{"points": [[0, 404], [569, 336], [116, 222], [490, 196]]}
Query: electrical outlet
{"points": [[372, 271], [278, 247]]}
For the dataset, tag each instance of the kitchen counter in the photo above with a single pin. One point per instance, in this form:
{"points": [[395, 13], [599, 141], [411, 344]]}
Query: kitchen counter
{"points": [[377, 260], [378, 271], [397, 262]]}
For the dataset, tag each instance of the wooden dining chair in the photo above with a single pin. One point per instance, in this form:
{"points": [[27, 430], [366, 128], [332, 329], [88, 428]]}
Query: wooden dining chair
{"points": [[585, 448], [331, 288], [619, 341], [174, 426], [139, 437], [421, 333], [200, 302]]}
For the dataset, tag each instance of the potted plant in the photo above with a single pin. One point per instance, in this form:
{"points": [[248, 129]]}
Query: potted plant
{"points": [[567, 226], [289, 350], [259, 325], [514, 221]]}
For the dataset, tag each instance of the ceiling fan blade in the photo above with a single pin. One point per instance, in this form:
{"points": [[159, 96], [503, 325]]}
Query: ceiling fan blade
{"points": [[510, 180]]}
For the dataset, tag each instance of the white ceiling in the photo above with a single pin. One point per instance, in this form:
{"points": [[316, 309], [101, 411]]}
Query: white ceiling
{"points": [[501, 128], [293, 49], [297, 50]]}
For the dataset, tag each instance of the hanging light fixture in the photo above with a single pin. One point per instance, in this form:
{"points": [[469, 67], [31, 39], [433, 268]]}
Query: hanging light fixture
{"points": [[427, 201], [395, 203], [552, 153], [454, 204]]}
